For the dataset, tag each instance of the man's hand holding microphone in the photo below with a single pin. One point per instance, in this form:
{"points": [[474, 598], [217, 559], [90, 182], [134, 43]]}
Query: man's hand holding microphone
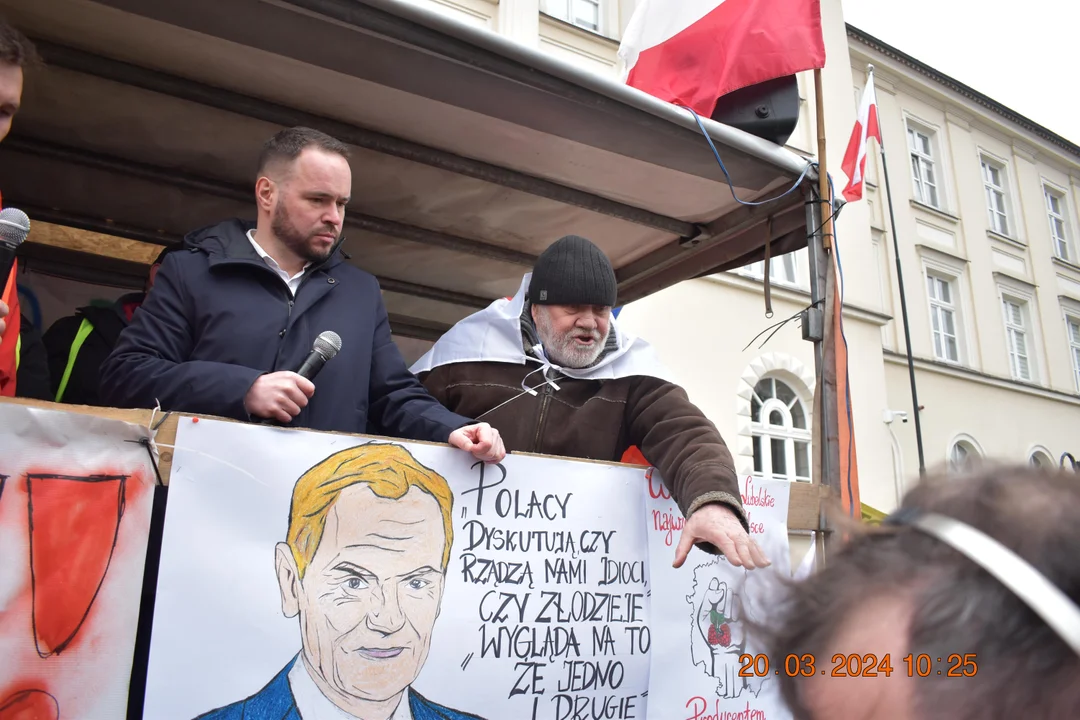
{"points": [[282, 395], [278, 396]]}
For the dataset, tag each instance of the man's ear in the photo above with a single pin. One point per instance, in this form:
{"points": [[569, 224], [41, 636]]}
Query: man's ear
{"points": [[288, 580], [265, 189], [532, 312]]}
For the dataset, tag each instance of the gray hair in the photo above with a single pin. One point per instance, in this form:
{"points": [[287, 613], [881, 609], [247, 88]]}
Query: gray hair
{"points": [[956, 606]]}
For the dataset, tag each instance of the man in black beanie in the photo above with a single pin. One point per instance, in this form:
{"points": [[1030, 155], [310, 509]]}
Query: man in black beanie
{"points": [[593, 392]]}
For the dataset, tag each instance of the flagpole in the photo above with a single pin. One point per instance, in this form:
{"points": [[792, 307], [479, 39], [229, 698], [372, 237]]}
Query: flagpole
{"points": [[903, 297], [823, 175], [822, 213]]}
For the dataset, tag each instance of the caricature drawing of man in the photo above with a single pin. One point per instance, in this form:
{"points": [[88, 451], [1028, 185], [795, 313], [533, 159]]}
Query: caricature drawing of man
{"points": [[363, 567]]}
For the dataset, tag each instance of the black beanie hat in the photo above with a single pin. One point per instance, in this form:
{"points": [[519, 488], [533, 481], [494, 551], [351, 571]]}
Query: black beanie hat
{"points": [[573, 271]]}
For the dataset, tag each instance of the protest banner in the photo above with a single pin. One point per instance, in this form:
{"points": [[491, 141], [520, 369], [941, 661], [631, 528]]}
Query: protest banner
{"points": [[75, 501], [309, 574], [300, 569], [705, 665]]}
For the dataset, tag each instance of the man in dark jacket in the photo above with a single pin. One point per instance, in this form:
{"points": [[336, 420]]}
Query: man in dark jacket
{"points": [[78, 344], [230, 319], [593, 392]]}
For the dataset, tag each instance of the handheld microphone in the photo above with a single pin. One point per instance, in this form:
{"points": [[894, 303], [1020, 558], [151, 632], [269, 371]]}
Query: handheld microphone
{"points": [[326, 346], [14, 227]]}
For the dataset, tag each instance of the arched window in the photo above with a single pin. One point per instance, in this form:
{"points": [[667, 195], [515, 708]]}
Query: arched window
{"points": [[780, 430], [1040, 458], [963, 455]]}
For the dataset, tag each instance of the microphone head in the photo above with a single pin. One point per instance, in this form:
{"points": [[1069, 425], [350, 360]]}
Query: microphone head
{"points": [[14, 226], [328, 344]]}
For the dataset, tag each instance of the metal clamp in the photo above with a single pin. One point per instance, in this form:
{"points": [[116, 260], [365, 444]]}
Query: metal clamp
{"points": [[692, 241], [813, 324]]}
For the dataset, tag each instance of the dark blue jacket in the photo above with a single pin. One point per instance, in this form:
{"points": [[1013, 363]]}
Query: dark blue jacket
{"points": [[276, 702], [218, 317]]}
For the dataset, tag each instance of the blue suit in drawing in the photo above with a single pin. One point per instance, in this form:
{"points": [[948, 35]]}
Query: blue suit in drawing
{"points": [[276, 702]]}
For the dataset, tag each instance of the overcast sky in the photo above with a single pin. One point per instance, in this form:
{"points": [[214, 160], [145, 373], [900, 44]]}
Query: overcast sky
{"points": [[1025, 55]]}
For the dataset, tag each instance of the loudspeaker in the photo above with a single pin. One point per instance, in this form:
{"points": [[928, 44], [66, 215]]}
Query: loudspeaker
{"points": [[769, 110]]}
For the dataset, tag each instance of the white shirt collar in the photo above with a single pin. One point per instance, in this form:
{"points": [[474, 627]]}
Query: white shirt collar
{"points": [[294, 281], [311, 704]]}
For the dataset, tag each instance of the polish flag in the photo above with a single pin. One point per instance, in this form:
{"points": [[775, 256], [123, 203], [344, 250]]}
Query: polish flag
{"points": [[692, 52], [866, 127]]}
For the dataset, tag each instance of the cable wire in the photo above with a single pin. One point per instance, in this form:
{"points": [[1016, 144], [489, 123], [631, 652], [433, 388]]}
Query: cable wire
{"points": [[716, 154]]}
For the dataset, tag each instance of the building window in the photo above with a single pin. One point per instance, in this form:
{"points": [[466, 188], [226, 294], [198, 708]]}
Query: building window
{"points": [[1017, 338], [923, 173], [943, 318], [1059, 228], [583, 13], [881, 259], [1040, 458], [963, 456], [780, 431], [994, 183], [782, 269], [1074, 346], [877, 240]]}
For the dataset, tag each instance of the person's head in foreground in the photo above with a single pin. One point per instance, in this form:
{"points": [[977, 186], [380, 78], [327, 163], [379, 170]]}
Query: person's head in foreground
{"points": [[901, 590], [571, 293], [364, 564], [16, 53]]}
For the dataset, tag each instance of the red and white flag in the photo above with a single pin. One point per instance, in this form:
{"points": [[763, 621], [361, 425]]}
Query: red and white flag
{"points": [[866, 127], [692, 52]]}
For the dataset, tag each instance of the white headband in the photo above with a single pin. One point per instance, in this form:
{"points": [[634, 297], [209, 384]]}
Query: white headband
{"points": [[1015, 573]]}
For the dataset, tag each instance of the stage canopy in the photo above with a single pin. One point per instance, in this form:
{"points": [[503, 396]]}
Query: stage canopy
{"points": [[470, 153]]}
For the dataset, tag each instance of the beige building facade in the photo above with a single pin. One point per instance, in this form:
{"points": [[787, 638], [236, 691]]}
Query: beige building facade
{"points": [[987, 220], [986, 214]]}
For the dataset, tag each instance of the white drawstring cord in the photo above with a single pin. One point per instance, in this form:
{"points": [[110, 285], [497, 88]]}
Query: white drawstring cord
{"points": [[237, 468], [153, 432], [544, 367]]}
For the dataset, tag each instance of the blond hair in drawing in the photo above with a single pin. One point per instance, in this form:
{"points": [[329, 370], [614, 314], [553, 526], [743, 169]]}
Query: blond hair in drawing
{"points": [[389, 470]]}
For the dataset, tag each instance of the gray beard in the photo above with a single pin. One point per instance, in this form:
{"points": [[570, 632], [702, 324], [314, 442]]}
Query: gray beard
{"points": [[560, 347]]}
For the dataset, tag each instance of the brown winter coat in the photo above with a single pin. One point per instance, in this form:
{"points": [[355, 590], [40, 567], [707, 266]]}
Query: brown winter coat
{"points": [[599, 420]]}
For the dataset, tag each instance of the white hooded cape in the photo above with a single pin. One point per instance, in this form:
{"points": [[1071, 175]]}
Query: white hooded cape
{"points": [[494, 335]]}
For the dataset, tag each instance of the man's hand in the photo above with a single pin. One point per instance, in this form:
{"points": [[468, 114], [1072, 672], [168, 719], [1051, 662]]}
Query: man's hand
{"points": [[481, 440], [278, 395], [718, 524], [3, 314]]}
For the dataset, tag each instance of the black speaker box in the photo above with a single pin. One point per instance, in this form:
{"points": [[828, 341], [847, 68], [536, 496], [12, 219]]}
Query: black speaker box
{"points": [[769, 110]]}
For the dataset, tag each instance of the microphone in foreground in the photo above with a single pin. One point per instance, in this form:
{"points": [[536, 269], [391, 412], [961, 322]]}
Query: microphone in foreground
{"points": [[14, 227], [326, 346]]}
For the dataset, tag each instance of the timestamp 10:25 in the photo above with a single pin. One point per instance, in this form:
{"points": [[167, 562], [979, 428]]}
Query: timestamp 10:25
{"points": [[854, 665]]}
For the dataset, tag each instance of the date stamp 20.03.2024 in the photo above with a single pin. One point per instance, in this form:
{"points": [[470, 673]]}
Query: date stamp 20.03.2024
{"points": [[855, 665]]}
